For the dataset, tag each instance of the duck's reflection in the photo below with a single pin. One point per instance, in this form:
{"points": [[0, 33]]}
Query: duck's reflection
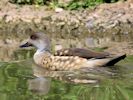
{"points": [[66, 76], [40, 85]]}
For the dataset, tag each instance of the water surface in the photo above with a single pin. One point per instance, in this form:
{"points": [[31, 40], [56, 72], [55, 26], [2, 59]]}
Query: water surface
{"points": [[17, 82]]}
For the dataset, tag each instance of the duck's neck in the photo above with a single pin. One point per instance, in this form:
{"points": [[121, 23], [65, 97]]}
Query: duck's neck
{"points": [[40, 51], [39, 55]]}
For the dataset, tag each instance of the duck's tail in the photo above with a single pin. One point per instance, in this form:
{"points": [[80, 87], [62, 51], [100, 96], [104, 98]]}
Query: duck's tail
{"points": [[109, 61], [115, 60]]}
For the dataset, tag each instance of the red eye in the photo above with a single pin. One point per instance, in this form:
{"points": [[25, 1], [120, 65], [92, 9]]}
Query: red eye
{"points": [[33, 37]]}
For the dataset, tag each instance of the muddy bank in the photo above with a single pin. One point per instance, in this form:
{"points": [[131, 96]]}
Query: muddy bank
{"points": [[115, 20], [107, 20], [103, 26]]}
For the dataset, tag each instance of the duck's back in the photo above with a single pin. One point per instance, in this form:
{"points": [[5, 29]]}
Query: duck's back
{"points": [[60, 63]]}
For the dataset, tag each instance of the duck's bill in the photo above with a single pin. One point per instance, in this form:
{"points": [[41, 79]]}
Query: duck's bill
{"points": [[25, 45]]}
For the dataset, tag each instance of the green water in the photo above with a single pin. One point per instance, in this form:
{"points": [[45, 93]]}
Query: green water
{"points": [[18, 83]]}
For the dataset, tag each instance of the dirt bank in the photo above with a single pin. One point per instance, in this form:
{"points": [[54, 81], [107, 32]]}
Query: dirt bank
{"points": [[103, 24], [112, 20]]}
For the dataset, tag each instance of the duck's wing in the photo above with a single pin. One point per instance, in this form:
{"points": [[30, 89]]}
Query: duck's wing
{"points": [[69, 63], [109, 61], [84, 53]]}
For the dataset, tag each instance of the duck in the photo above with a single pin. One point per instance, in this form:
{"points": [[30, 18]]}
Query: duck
{"points": [[69, 59]]}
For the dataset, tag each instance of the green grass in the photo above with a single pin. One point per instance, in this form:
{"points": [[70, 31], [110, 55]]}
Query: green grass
{"points": [[73, 5]]}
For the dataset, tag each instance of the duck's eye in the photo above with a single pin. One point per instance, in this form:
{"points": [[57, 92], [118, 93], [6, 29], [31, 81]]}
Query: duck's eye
{"points": [[33, 37]]}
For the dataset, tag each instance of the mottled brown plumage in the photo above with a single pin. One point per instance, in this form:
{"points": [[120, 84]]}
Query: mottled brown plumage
{"points": [[57, 63]]}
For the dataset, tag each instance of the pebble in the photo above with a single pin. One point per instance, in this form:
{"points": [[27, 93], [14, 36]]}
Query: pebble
{"points": [[58, 10]]}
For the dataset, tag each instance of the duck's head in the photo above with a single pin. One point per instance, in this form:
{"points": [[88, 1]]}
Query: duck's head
{"points": [[38, 40]]}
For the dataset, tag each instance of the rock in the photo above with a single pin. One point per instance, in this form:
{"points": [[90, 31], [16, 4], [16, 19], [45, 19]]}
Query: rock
{"points": [[64, 2], [58, 47], [90, 23], [130, 1], [58, 10], [8, 19], [90, 42]]}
